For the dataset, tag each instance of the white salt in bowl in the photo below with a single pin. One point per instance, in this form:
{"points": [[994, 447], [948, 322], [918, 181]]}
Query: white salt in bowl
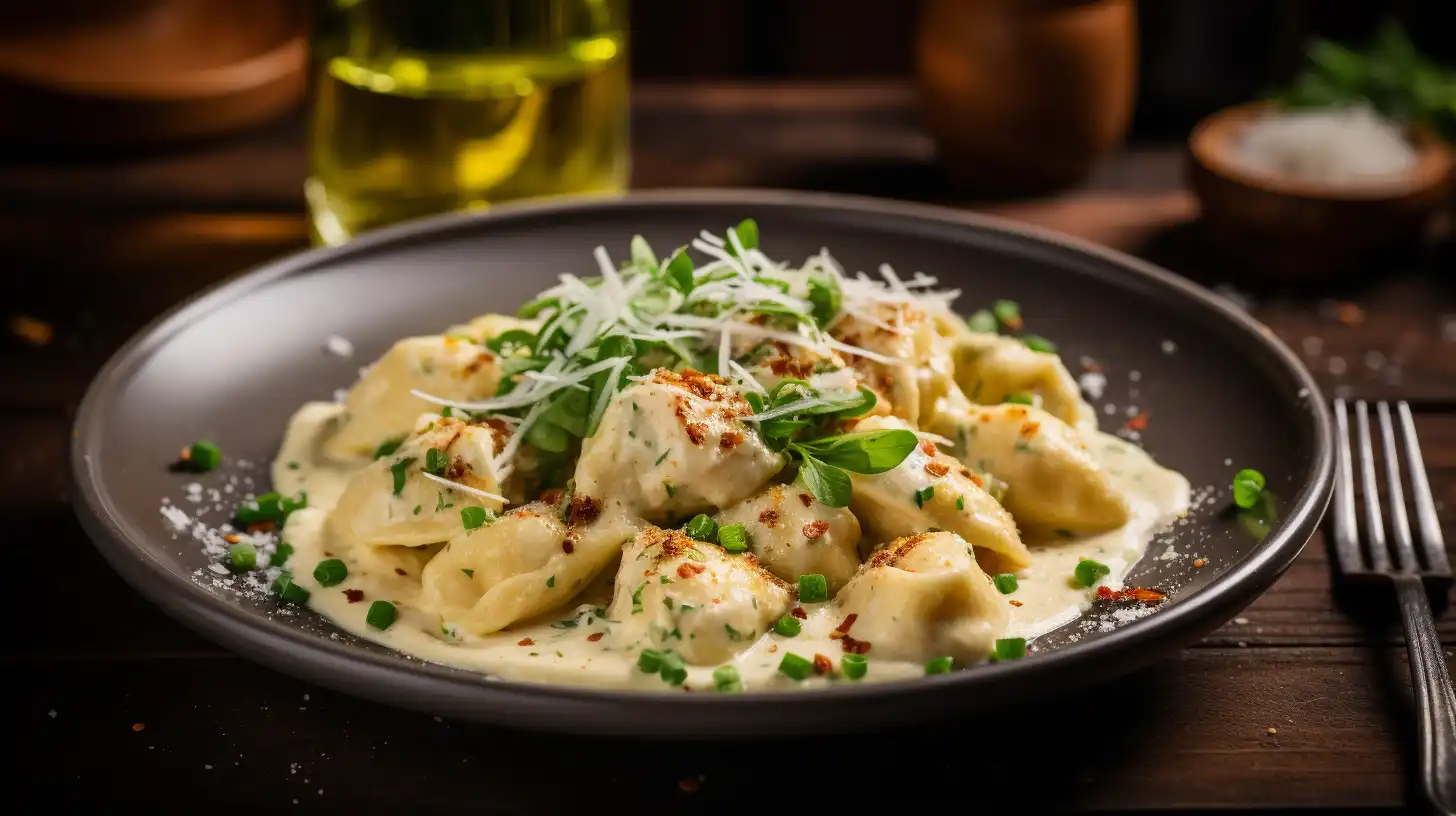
{"points": [[1295, 202]]}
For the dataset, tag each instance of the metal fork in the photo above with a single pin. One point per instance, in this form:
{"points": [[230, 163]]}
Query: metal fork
{"points": [[1435, 698]]}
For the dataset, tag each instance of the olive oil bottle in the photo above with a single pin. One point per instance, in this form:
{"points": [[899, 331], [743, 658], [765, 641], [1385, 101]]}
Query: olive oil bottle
{"points": [[427, 106]]}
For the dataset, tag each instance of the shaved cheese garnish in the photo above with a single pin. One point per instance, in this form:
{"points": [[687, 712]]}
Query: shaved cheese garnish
{"points": [[724, 345], [474, 491], [937, 439], [859, 352], [745, 377], [790, 408]]}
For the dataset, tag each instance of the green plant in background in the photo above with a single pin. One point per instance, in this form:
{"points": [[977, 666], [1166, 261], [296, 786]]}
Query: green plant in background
{"points": [[1391, 74]]}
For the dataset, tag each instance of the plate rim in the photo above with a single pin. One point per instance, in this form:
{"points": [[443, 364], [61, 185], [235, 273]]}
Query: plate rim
{"points": [[255, 635]]}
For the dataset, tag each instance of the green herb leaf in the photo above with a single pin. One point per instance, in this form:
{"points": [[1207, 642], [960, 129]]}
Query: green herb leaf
{"points": [[867, 452], [923, 496], [680, 272], [436, 461], [747, 232], [642, 254], [387, 447], [397, 471], [472, 517], [829, 484], [1089, 572], [826, 298], [280, 554], [509, 342], [1005, 583], [289, 592]]}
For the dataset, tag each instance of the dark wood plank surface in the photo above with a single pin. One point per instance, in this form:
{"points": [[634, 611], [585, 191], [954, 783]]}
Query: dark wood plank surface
{"points": [[96, 250]]}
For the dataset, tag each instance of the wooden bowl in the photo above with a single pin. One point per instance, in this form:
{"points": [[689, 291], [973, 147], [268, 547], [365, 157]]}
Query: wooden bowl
{"points": [[138, 72], [1298, 230]]}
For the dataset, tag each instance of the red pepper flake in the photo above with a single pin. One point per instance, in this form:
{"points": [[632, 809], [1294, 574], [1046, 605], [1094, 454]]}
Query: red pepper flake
{"points": [[928, 447], [815, 529], [1138, 594], [232, 538], [1029, 429], [688, 569], [1014, 603], [552, 495], [690, 785], [769, 518], [805, 499], [584, 509], [525, 642], [976, 480], [1138, 423], [696, 431], [33, 331], [730, 440], [822, 664], [138, 726], [400, 571], [594, 637], [937, 469], [799, 613], [354, 595], [842, 630], [1200, 562], [261, 527], [852, 646], [1349, 313], [568, 544]]}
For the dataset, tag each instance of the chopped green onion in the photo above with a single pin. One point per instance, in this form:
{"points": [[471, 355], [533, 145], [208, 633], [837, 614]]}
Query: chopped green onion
{"points": [[1008, 313], [673, 672], [397, 470], [330, 572], [1248, 487], [1039, 343], [733, 537], [472, 517], [795, 666], [1021, 398], [725, 678], [924, 495], [1089, 572], [982, 321], [747, 232], [788, 626], [702, 527], [1006, 583], [204, 455], [649, 661], [447, 412], [387, 447], [960, 502], [243, 556], [854, 666], [813, 588], [939, 665], [436, 461], [288, 591], [381, 615], [269, 508], [1010, 649]]}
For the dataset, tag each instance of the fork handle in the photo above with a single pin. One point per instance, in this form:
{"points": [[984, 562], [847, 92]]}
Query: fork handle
{"points": [[1435, 697]]}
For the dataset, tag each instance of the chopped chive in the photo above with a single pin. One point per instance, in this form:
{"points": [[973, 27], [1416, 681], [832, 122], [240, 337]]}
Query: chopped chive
{"points": [[1089, 572], [795, 666], [924, 495], [381, 615], [204, 456], [418, 508], [1064, 533], [1010, 649], [637, 598], [982, 321], [472, 517], [1006, 583], [280, 554], [288, 591], [960, 502], [447, 412], [664, 453], [436, 461], [1248, 487], [387, 447], [330, 572], [725, 678], [854, 666], [939, 665], [733, 537], [671, 491], [788, 626], [813, 588], [551, 582], [397, 470], [242, 556], [1021, 398], [672, 672], [1039, 343], [469, 573], [1007, 313], [702, 527], [294, 466]]}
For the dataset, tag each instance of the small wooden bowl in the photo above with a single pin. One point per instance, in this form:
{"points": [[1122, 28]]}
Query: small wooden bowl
{"points": [[1300, 231]]}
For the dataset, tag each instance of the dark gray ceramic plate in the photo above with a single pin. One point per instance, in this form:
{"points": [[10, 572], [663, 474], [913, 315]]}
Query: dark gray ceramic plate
{"points": [[232, 365]]}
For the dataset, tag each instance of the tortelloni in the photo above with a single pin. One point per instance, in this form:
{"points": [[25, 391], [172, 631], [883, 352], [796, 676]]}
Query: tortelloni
{"points": [[793, 534], [393, 502], [924, 596], [675, 593], [528, 562], [930, 490], [380, 408], [921, 343], [675, 445], [990, 368], [1052, 481]]}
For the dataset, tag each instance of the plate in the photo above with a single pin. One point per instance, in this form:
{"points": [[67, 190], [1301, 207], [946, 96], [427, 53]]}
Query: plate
{"points": [[1219, 392]]}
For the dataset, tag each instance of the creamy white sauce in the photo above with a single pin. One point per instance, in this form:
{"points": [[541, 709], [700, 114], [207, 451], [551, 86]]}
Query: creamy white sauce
{"points": [[550, 651]]}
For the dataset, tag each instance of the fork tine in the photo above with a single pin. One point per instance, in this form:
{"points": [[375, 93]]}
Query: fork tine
{"points": [[1347, 537], [1405, 553], [1374, 523], [1433, 545]]}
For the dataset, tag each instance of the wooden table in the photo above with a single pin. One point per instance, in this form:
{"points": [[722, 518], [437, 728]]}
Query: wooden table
{"points": [[1294, 704]]}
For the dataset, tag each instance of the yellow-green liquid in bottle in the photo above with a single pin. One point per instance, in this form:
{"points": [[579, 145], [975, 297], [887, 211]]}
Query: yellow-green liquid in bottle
{"points": [[428, 106]]}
